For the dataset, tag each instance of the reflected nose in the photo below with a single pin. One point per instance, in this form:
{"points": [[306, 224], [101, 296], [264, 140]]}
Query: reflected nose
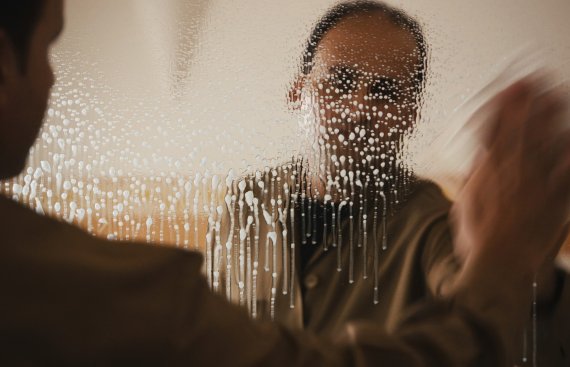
{"points": [[359, 106]]}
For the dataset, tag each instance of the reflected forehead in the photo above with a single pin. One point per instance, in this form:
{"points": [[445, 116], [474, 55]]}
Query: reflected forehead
{"points": [[371, 43]]}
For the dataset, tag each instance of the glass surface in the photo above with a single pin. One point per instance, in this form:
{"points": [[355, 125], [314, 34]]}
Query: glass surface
{"points": [[189, 123]]}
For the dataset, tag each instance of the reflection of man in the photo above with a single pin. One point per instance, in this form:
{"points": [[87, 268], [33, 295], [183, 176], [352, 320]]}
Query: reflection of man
{"points": [[70, 299], [365, 61]]}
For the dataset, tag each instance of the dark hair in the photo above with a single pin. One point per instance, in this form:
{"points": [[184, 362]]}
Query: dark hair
{"points": [[18, 18], [343, 10]]}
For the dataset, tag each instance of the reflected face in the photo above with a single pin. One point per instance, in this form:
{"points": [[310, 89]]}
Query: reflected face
{"points": [[364, 84], [26, 91]]}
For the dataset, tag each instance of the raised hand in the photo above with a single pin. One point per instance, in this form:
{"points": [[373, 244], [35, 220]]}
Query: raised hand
{"points": [[514, 205]]}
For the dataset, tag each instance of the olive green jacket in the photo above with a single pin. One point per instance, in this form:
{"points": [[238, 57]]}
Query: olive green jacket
{"points": [[418, 261], [69, 299]]}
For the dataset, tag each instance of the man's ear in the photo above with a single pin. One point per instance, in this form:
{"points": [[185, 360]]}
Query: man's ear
{"points": [[295, 91]]}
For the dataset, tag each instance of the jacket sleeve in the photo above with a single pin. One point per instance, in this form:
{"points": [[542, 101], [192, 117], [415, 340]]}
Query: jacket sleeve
{"points": [[439, 264], [561, 316], [551, 344], [456, 332], [552, 327]]}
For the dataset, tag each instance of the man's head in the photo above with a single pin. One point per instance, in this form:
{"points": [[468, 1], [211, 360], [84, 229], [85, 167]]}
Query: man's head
{"points": [[355, 9], [364, 67], [27, 30]]}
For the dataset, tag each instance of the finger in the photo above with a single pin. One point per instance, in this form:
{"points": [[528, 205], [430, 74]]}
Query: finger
{"points": [[546, 116], [559, 178], [561, 239], [542, 142], [498, 103], [513, 113]]}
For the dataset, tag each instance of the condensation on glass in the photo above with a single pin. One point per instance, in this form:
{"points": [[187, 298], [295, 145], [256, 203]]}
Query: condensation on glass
{"points": [[216, 127]]}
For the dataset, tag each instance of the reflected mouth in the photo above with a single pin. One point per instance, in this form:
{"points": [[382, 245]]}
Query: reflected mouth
{"points": [[342, 127], [347, 128]]}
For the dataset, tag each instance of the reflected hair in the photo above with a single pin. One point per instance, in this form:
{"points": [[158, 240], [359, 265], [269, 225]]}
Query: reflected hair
{"points": [[18, 20], [346, 9]]}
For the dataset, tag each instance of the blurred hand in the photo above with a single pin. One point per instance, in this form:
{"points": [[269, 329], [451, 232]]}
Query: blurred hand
{"points": [[511, 213]]}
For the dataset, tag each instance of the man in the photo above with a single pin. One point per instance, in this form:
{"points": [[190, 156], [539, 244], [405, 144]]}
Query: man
{"points": [[363, 57], [70, 299]]}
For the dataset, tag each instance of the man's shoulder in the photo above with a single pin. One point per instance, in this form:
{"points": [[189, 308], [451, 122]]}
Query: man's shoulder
{"points": [[24, 231], [426, 201], [421, 222]]}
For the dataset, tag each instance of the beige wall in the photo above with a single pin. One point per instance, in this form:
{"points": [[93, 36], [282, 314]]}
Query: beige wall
{"points": [[227, 66]]}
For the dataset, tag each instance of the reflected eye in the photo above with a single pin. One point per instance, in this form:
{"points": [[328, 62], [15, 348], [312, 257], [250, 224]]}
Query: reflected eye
{"points": [[343, 84], [386, 89], [342, 81]]}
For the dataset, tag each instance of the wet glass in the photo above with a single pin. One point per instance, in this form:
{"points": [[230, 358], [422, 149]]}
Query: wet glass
{"points": [[200, 125]]}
